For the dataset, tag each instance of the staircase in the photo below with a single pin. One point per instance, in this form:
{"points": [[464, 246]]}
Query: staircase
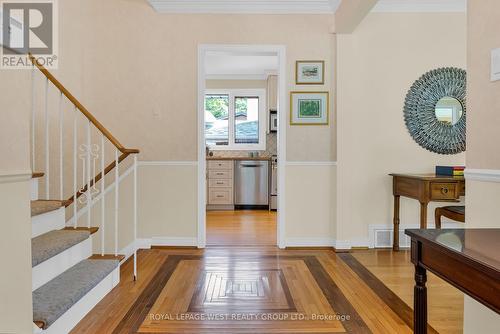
{"points": [[68, 279]]}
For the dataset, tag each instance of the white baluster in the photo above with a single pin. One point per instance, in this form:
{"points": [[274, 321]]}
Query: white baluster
{"points": [[75, 167], [135, 216], [117, 190], [33, 117], [103, 197], [61, 148], [47, 139], [89, 193]]}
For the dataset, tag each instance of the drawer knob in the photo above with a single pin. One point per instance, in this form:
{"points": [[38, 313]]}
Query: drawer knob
{"points": [[220, 173], [444, 190], [220, 182], [219, 196]]}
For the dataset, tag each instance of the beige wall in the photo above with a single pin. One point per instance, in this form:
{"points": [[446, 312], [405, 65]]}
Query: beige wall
{"points": [[483, 96], [376, 65], [16, 315], [15, 281], [15, 124], [141, 83], [483, 122], [310, 200], [125, 87]]}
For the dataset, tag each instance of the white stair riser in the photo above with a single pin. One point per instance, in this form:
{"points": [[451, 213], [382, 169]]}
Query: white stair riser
{"points": [[49, 221], [34, 189], [76, 313], [53, 267]]}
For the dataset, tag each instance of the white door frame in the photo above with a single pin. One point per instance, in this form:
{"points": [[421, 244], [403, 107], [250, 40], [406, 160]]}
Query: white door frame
{"points": [[280, 51]]}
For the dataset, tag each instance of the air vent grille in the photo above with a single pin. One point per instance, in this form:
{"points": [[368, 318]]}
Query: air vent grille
{"points": [[383, 239]]}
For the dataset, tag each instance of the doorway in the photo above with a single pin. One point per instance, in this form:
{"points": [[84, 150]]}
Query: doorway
{"points": [[241, 102]]}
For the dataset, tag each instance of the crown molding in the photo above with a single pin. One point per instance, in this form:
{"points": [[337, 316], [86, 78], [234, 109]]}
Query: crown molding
{"points": [[420, 6], [246, 6]]}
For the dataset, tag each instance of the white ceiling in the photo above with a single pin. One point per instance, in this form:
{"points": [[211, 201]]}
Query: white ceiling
{"points": [[225, 65], [299, 6]]}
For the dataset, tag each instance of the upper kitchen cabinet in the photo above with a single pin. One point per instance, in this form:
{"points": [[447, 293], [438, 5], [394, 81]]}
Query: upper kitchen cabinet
{"points": [[272, 92]]}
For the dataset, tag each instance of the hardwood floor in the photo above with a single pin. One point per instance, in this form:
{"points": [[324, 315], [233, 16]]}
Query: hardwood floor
{"points": [[257, 288], [246, 290], [241, 228], [395, 271]]}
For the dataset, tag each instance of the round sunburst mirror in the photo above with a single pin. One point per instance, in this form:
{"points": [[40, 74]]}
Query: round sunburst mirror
{"points": [[435, 110]]}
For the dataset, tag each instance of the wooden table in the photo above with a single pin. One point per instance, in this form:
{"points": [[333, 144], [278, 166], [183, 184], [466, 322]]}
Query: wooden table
{"points": [[424, 188], [468, 259]]}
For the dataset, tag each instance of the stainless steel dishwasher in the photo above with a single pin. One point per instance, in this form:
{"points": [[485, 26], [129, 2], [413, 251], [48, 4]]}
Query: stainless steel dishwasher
{"points": [[251, 178]]}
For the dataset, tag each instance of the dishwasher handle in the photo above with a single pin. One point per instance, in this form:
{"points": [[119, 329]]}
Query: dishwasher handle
{"points": [[251, 166]]}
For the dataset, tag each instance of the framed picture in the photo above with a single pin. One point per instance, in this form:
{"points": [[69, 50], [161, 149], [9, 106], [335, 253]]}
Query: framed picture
{"points": [[309, 108], [309, 72]]}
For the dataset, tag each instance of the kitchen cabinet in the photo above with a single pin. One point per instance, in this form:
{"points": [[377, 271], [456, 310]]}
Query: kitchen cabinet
{"points": [[272, 93], [220, 191]]}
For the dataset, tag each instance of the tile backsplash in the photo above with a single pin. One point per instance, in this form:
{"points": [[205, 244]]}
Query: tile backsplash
{"points": [[271, 149]]}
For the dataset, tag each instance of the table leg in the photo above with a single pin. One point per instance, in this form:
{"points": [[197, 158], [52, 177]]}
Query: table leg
{"points": [[420, 301], [423, 214], [395, 243]]}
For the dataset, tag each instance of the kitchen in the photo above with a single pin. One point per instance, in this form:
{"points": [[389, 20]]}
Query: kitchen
{"points": [[241, 109]]}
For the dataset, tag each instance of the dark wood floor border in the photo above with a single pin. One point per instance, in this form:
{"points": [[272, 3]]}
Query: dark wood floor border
{"points": [[137, 313], [392, 300], [339, 303]]}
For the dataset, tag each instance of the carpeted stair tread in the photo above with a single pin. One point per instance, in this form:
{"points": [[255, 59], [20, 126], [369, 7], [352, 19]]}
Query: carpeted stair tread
{"points": [[39, 207], [52, 300], [52, 243]]}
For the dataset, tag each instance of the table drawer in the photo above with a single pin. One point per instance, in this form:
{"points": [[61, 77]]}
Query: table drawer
{"points": [[444, 191], [220, 164], [220, 183], [220, 174], [220, 196]]}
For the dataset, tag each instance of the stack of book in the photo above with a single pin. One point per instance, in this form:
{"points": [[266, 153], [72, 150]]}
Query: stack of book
{"points": [[450, 170]]}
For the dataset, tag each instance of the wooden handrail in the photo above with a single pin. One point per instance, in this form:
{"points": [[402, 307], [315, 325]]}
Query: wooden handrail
{"points": [[97, 178], [80, 107]]}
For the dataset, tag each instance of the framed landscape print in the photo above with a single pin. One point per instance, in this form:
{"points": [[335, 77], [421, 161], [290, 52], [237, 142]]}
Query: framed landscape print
{"points": [[310, 72], [309, 108]]}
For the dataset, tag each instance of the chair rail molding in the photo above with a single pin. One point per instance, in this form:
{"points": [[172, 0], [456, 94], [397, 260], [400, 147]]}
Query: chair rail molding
{"points": [[311, 163], [485, 175], [15, 176], [168, 163], [246, 6]]}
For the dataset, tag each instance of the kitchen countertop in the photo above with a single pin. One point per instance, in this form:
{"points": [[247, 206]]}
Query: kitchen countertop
{"points": [[239, 158]]}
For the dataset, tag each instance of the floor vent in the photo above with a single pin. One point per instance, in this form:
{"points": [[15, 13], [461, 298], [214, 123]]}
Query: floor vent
{"points": [[383, 239]]}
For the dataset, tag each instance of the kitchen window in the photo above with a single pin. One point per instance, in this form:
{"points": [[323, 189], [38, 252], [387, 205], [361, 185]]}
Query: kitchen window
{"points": [[235, 119]]}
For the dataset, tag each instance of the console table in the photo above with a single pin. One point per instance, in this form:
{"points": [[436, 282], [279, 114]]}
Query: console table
{"points": [[468, 259], [424, 188]]}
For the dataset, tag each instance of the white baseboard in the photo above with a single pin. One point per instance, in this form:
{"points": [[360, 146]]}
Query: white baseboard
{"points": [[56, 265], [76, 313], [34, 188], [372, 228], [49, 221], [144, 243], [309, 242], [174, 241], [342, 244]]}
